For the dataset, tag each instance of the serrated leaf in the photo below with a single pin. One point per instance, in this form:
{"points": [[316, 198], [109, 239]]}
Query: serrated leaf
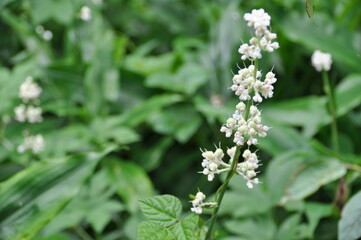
{"points": [[184, 230], [349, 227], [164, 210], [149, 230]]}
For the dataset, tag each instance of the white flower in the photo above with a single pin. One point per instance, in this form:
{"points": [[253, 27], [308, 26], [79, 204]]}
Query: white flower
{"points": [[33, 114], [20, 113], [85, 13], [213, 163], [34, 143], [29, 90], [258, 19], [198, 203], [321, 61], [247, 168]]}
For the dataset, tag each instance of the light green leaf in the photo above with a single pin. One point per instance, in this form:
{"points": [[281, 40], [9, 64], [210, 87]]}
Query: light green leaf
{"points": [[184, 230], [314, 212], [311, 175], [242, 201], [324, 34], [34, 196], [148, 230], [164, 210], [140, 113], [348, 94], [130, 180], [180, 121], [258, 228], [289, 228], [308, 112], [349, 227], [186, 80]]}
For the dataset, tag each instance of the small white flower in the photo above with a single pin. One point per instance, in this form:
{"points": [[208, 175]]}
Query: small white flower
{"points": [[20, 113], [33, 114], [321, 61], [29, 90], [34, 143], [198, 203], [85, 13]]}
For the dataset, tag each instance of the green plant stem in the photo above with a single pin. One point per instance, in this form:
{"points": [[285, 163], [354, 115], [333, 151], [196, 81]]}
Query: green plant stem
{"points": [[332, 109], [222, 189], [82, 233]]}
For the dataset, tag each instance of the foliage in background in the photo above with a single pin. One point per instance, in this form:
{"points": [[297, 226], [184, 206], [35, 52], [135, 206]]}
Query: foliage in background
{"points": [[129, 96]]}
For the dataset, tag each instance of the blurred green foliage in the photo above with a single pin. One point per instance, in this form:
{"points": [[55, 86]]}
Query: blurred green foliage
{"points": [[130, 96]]}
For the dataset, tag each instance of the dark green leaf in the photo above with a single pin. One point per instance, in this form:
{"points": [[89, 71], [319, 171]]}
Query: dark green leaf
{"points": [[148, 230]]}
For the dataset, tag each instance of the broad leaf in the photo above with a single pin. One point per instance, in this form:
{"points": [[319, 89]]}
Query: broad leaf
{"points": [[164, 210], [184, 230], [349, 227], [34, 196], [148, 230]]}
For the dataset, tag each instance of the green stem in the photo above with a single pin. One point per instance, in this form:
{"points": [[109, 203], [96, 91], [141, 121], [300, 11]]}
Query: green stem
{"points": [[222, 189], [332, 109]]}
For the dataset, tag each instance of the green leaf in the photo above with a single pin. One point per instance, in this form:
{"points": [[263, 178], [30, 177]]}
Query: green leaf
{"points": [[296, 175], [258, 228], [324, 34], [140, 113], [311, 175], [59, 10], [184, 230], [130, 180], [314, 212], [308, 112], [164, 210], [289, 228], [348, 94], [186, 80], [180, 121], [349, 227], [148, 230], [34, 196], [242, 201]]}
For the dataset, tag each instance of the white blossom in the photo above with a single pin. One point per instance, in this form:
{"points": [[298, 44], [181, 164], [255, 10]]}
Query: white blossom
{"points": [[321, 61], [33, 114], [20, 113], [248, 167], [213, 163], [198, 203], [34, 143], [85, 13], [29, 90]]}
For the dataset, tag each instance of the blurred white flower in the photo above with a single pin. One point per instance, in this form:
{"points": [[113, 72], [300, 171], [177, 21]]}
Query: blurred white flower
{"points": [[321, 61], [45, 34], [33, 114], [34, 143], [29, 90], [20, 113], [85, 13], [198, 203]]}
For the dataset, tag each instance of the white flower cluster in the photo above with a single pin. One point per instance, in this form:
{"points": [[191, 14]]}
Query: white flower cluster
{"points": [[34, 143], [47, 35], [86, 13], [213, 162], [260, 21], [245, 129], [248, 167], [198, 203], [321, 61], [244, 83], [29, 92]]}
